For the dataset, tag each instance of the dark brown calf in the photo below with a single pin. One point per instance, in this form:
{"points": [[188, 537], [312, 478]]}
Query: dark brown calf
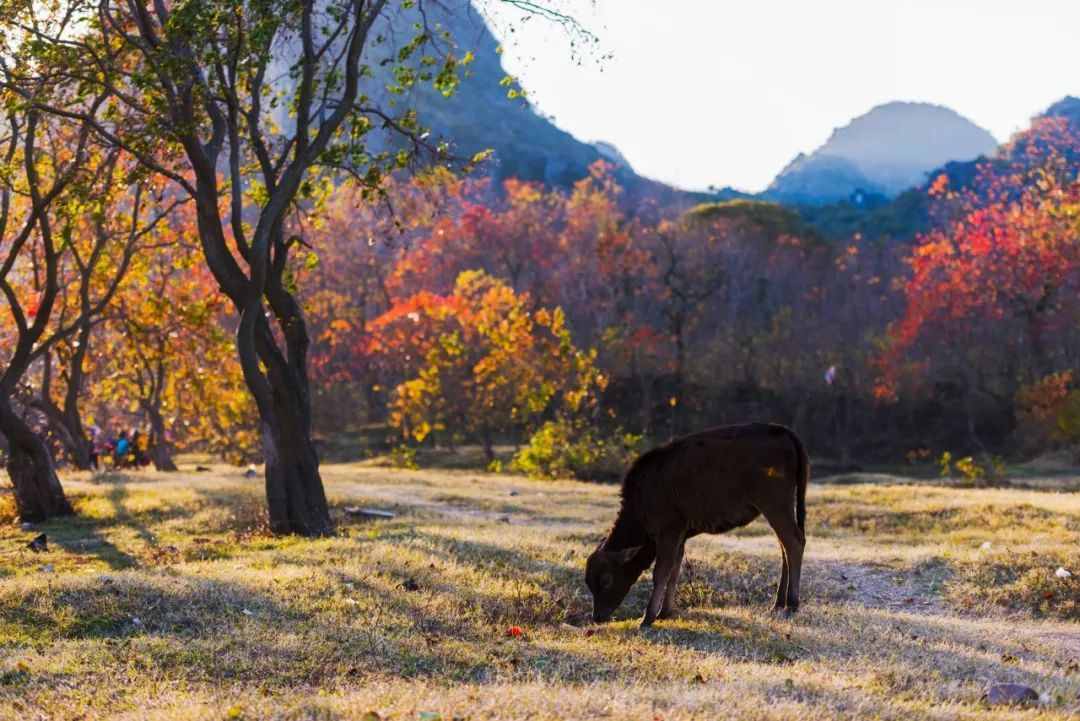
{"points": [[709, 482]]}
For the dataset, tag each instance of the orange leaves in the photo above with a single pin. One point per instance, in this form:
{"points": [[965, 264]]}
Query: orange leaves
{"points": [[940, 185], [479, 360]]}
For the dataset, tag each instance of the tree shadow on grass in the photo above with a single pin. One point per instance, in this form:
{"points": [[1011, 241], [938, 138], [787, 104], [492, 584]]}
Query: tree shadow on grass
{"points": [[224, 632], [87, 535]]}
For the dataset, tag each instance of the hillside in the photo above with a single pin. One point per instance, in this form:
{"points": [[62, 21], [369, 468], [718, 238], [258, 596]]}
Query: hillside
{"points": [[480, 115], [886, 151]]}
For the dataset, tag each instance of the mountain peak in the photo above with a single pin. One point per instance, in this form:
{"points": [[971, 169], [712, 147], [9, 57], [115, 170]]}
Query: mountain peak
{"points": [[886, 150], [1068, 108]]}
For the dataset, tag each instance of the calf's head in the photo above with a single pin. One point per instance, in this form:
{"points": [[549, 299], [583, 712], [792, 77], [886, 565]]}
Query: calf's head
{"points": [[609, 576]]}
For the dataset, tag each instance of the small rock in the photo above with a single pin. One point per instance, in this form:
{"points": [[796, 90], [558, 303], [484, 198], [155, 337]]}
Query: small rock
{"points": [[1010, 694], [504, 519], [202, 469], [39, 544], [47, 568], [246, 612], [986, 546], [410, 584], [514, 493], [251, 472], [1062, 573], [136, 621]]}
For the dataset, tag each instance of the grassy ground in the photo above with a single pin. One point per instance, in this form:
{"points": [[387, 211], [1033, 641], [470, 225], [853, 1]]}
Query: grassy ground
{"points": [[165, 598]]}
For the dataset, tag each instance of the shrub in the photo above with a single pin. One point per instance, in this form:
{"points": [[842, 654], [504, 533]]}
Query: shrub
{"points": [[970, 470], [402, 456], [1048, 412], [573, 449]]}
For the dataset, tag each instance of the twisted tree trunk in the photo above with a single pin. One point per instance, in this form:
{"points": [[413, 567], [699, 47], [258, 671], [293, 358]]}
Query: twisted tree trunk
{"points": [[38, 493], [294, 489]]}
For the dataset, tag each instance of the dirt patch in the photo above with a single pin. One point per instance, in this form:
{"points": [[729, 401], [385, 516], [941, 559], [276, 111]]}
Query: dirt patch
{"points": [[915, 590]]}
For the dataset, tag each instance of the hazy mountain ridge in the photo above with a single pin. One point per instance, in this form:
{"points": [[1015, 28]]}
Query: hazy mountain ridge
{"points": [[902, 218], [887, 150]]}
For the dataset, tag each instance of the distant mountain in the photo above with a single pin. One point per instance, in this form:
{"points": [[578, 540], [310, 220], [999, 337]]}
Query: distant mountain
{"points": [[888, 150], [903, 217], [481, 115]]}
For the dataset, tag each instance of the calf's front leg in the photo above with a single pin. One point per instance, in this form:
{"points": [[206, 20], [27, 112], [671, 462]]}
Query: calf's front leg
{"points": [[668, 547]]}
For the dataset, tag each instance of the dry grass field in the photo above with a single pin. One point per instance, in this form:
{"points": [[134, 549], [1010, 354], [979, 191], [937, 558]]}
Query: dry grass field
{"points": [[166, 599]]}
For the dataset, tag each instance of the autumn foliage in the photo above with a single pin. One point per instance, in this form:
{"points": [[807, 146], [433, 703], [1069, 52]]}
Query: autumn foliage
{"points": [[991, 294], [481, 363], [571, 323]]}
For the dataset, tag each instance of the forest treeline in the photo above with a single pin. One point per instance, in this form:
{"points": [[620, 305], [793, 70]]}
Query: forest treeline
{"points": [[445, 310], [875, 350]]}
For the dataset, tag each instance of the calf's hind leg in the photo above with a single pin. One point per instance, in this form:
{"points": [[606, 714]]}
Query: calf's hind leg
{"points": [[792, 542], [668, 609], [782, 585]]}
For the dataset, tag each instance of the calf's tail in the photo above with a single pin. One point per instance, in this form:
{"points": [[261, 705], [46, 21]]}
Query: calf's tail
{"points": [[802, 479]]}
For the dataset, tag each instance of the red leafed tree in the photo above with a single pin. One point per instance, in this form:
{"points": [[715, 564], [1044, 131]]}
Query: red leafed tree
{"points": [[512, 234], [992, 291], [349, 279]]}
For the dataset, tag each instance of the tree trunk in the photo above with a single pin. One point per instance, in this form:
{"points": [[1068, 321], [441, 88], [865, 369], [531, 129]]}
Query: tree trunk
{"points": [[489, 446], [38, 493], [294, 489], [161, 451], [680, 369], [69, 429], [65, 422]]}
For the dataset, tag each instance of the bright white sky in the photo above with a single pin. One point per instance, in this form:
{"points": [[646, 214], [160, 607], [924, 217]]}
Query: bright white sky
{"points": [[722, 92]]}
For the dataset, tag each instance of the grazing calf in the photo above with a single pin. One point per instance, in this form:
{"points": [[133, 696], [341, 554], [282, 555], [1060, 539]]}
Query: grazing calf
{"points": [[708, 482]]}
